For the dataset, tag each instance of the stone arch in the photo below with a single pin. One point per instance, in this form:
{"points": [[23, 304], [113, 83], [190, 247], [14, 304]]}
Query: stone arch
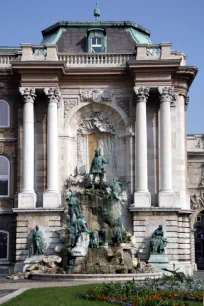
{"points": [[109, 128]]}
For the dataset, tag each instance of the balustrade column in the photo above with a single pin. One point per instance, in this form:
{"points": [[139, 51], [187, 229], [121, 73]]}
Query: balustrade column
{"points": [[51, 197], [142, 196], [166, 196], [27, 198]]}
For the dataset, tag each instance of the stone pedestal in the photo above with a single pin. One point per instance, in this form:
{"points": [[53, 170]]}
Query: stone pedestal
{"points": [[142, 199], [51, 199], [160, 261], [27, 200], [167, 199]]}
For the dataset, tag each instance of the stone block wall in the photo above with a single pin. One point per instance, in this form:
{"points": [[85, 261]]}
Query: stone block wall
{"points": [[177, 231], [48, 222]]}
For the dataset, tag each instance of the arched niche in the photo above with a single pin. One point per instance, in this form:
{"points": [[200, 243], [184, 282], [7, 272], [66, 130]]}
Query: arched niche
{"points": [[96, 125]]}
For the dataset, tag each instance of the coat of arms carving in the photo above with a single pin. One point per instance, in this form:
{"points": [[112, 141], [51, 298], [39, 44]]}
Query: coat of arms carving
{"points": [[96, 95]]}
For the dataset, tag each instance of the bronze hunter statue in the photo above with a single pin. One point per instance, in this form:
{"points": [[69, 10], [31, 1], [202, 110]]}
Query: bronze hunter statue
{"points": [[158, 241], [97, 166]]}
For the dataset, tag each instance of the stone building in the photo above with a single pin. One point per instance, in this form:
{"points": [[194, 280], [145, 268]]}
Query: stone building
{"points": [[91, 84]]}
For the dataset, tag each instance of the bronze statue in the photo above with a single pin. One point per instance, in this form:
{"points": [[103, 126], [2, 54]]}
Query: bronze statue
{"points": [[97, 166], [117, 236], [94, 241], [74, 206], [37, 242], [158, 241]]}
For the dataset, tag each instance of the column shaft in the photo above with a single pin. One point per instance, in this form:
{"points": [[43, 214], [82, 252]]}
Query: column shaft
{"points": [[27, 198], [52, 197], [166, 195], [52, 147], [165, 147], [28, 147], [142, 196], [141, 147]]}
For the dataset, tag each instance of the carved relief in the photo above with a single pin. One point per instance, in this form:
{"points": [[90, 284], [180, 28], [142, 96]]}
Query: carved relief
{"points": [[98, 123], [96, 95], [12, 156], [196, 202], [68, 105], [200, 143], [1, 147], [123, 103], [195, 172], [95, 121], [202, 176]]}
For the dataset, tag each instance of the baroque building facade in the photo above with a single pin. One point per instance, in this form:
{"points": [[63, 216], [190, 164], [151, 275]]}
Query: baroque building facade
{"points": [[88, 85]]}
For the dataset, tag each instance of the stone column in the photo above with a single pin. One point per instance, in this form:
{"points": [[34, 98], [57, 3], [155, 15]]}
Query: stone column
{"points": [[27, 198], [181, 151], [166, 195], [52, 198], [142, 196]]}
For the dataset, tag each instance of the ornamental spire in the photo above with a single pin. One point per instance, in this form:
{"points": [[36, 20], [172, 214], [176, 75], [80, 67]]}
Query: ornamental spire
{"points": [[97, 12]]}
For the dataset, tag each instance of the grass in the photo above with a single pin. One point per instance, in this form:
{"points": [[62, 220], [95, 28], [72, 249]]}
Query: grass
{"points": [[59, 296]]}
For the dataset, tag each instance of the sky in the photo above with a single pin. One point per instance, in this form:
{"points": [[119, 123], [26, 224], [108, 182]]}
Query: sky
{"points": [[178, 21]]}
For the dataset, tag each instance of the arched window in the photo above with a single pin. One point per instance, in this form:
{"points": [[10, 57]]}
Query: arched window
{"points": [[4, 176], [4, 245], [4, 114], [97, 41]]}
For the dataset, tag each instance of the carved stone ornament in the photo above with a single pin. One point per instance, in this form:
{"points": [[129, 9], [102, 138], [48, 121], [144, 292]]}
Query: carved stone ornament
{"points": [[1, 147], [96, 95], [12, 156], [201, 184], [166, 93], [123, 103], [196, 202], [200, 144], [28, 94], [187, 100], [53, 94], [142, 93], [96, 121], [68, 105]]}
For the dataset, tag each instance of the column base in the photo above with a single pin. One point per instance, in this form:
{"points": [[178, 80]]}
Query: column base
{"points": [[167, 199], [51, 199], [142, 199], [27, 199]]}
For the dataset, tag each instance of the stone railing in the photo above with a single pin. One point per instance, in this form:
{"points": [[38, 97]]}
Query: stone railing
{"points": [[109, 59], [5, 59], [50, 53]]}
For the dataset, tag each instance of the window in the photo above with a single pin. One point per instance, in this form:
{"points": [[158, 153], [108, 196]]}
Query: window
{"points": [[96, 45], [97, 41], [4, 245], [4, 176], [4, 114], [198, 219]]}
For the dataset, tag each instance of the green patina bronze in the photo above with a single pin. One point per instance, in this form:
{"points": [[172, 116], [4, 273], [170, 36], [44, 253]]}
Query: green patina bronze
{"points": [[97, 166], [94, 240], [74, 206], [38, 242], [158, 241], [97, 12]]}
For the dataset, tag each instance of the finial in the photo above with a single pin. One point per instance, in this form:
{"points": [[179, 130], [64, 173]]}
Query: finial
{"points": [[97, 12]]}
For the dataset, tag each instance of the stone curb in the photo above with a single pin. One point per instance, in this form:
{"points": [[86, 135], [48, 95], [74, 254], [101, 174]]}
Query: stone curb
{"points": [[12, 295]]}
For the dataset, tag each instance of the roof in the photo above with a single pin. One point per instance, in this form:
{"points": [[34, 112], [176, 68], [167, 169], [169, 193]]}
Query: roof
{"points": [[70, 36]]}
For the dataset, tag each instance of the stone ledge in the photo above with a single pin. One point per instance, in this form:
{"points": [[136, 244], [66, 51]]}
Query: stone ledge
{"points": [[159, 209], [101, 277], [37, 210]]}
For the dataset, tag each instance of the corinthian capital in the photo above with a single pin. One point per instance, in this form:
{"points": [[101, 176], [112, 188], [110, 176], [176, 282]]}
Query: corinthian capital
{"points": [[166, 93], [142, 93], [53, 94], [28, 94]]}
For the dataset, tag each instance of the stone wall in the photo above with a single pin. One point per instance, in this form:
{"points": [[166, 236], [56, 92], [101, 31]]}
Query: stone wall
{"points": [[48, 222], [177, 231]]}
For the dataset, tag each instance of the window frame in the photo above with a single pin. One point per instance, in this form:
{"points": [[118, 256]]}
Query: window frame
{"points": [[8, 243], [9, 121], [9, 177], [96, 33], [198, 219]]}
